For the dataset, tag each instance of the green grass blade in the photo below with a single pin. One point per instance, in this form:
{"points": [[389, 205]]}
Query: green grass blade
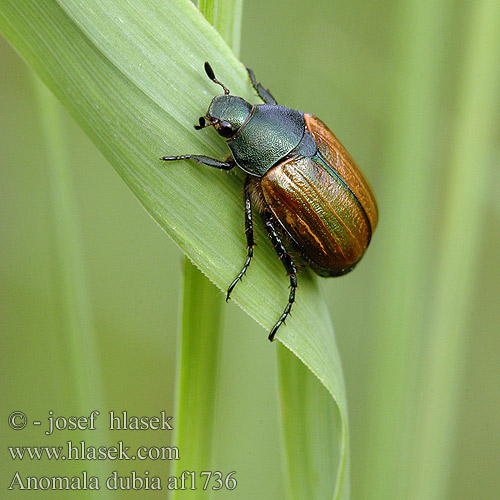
{"points": [[199, 350], [471, 167], [76, 323], [131, 74], [76, 332], [411, 123], [198, 370], [225, 17], [315, 434]]}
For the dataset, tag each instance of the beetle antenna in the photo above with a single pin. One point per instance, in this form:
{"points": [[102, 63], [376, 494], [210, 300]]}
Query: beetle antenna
{"points": [[211, 75], [202, 123]]}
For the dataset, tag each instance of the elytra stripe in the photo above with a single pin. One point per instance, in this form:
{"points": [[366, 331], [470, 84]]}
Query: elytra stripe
{"points": [[319, 157], [340, 220]]}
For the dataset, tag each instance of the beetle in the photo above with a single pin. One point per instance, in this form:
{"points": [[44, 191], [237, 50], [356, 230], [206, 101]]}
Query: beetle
{"points": [[310, 193]]}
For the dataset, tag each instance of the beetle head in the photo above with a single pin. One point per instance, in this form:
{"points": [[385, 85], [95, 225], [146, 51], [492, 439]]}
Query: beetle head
{"points": [[226, 113]]}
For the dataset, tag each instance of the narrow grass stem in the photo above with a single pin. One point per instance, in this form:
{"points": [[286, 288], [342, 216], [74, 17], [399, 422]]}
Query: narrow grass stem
{"points": [[200, 336], [76, 333]]}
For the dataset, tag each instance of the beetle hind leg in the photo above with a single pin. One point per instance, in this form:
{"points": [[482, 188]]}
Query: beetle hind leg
{"points": [[248, 233], [264, 93], [289, 265]]}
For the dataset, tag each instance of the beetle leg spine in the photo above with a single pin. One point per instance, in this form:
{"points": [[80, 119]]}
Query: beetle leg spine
{"points": [[248, 233], [289, 265], [263, 93]]}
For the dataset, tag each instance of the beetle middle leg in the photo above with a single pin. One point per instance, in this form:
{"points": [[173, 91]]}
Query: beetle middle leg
{"points": [[248, 233], [287, 261], [264, 93], [228, 164]]}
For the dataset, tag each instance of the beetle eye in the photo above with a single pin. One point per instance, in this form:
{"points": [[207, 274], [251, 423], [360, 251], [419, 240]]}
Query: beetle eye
{"points": [[225, 129]]}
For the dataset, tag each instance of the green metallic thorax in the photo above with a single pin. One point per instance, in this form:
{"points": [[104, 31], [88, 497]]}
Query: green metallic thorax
{"points": [[269, 134]]}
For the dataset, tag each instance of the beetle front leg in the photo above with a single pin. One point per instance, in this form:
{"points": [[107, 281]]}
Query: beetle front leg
{"points": [[264, 93], [287, 261], [248, 233], [204, 160]]}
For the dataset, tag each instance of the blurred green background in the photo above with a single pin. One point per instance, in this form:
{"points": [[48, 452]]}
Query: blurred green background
{"points": [[394, 81]]}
